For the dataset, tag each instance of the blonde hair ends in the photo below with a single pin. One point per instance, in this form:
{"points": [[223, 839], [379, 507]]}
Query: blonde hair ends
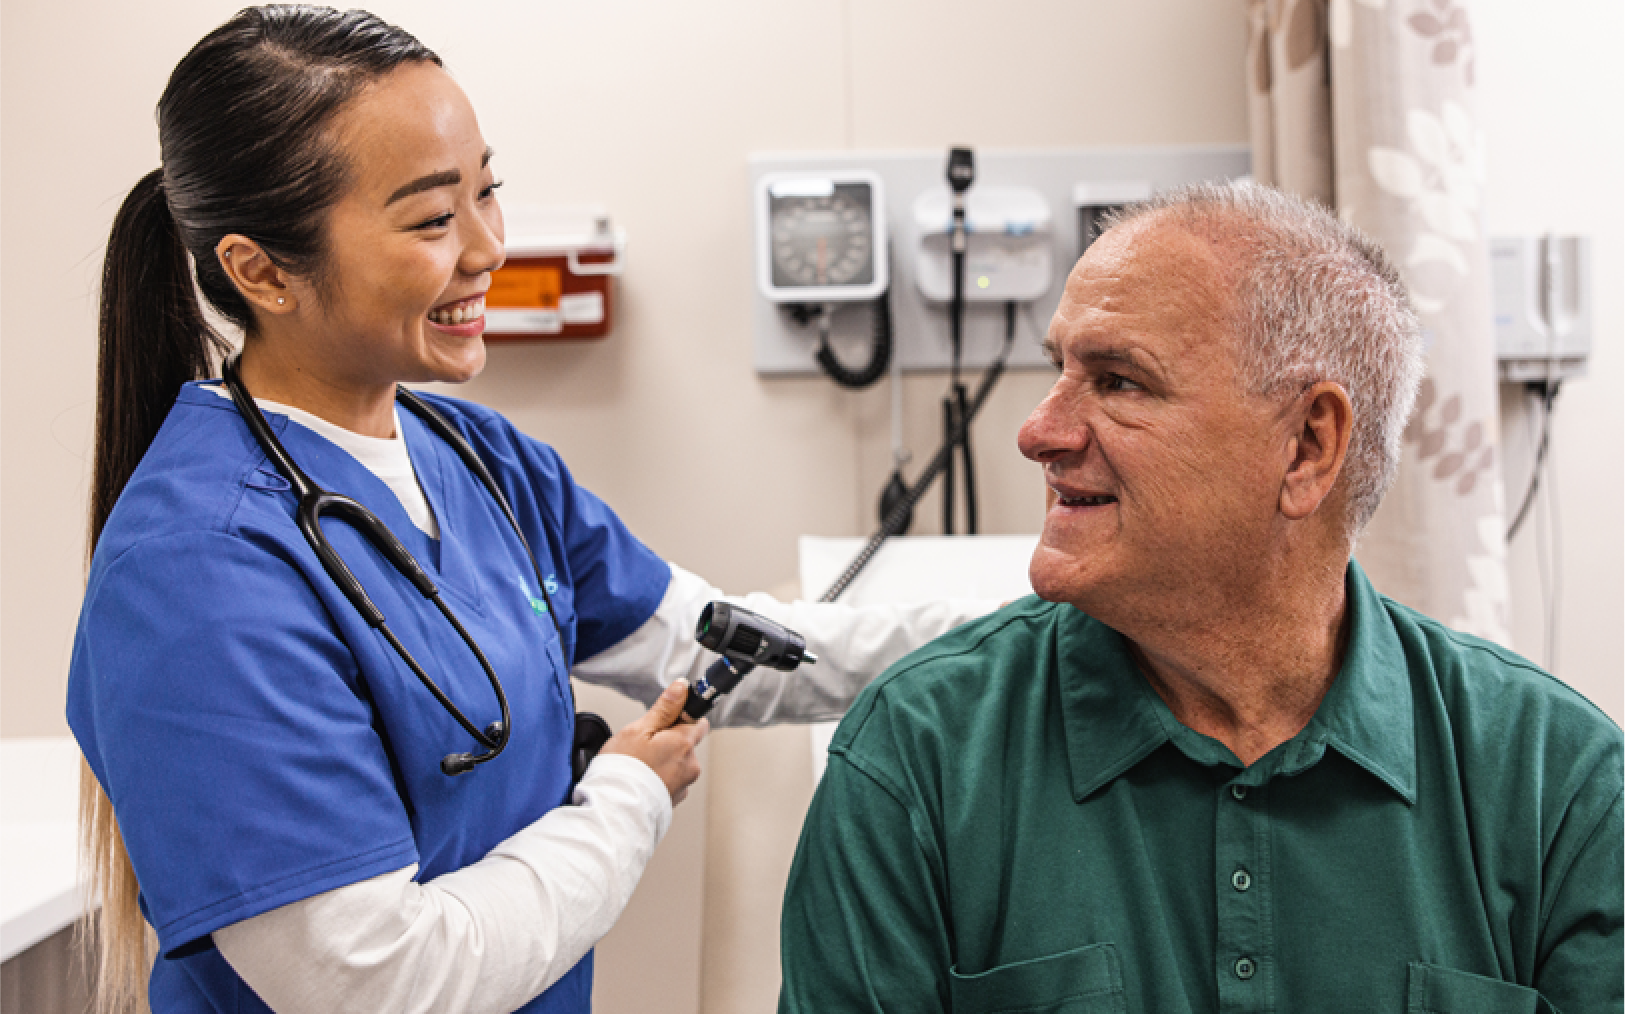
{"points": [[114, 940]]}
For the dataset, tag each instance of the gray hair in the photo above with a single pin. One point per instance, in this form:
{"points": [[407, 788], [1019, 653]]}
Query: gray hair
{"points": [[1317, 300]]}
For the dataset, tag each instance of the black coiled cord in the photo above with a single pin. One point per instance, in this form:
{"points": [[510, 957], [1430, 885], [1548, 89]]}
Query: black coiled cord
{"points": [[880, 351]]}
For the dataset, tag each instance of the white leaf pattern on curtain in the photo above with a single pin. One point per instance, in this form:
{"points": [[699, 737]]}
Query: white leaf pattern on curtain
{"points": [[1395, 81]]}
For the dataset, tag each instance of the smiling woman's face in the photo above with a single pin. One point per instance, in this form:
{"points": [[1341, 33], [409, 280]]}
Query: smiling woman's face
{"points": [[411, 244]]}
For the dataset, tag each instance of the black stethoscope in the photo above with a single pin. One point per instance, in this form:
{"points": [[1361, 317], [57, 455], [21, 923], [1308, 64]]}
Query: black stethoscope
{"points": [[590, 731]]}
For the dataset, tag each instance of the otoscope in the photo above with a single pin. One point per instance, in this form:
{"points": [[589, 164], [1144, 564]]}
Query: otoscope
{"points": [[743, 641]]}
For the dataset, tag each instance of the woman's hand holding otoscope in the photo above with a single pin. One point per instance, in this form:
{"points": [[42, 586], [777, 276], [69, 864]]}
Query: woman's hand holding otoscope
{"points": [[661, 741], [666, 737]]}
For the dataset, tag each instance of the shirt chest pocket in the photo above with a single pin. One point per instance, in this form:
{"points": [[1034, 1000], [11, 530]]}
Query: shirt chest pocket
{"points": [[1432, 989], [1087, 980]]}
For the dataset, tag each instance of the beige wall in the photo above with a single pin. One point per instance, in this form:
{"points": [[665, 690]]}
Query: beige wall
{"points": [[651, 108]]}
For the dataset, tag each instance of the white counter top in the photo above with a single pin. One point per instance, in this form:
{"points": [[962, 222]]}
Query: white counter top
{"points": [[39, 847]]}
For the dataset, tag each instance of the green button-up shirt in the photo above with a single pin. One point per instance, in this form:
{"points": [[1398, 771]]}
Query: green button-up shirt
{"points": [[1013, 820]]}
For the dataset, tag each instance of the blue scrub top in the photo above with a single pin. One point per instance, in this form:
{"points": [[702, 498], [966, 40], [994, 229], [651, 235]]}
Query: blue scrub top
{"points": [[260, 743]]}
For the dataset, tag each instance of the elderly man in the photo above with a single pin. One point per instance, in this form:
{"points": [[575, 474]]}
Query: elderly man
{"points": [[1209, 767]]}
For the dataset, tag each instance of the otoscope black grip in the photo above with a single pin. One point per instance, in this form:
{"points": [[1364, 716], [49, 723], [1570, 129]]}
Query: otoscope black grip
{"points": [[696, 707], [720, 678]]}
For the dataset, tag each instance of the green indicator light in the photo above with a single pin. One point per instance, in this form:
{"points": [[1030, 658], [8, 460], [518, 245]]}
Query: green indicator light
{"points": [[982, 282]]}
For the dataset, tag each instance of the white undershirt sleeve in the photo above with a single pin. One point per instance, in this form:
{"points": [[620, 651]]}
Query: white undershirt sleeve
{"points": [[854, 644], [488, 937]]}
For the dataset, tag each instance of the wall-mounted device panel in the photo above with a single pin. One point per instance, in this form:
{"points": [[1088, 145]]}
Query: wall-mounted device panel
{"points": [[1009, 249], [558, 281], [1542, 293], [786, 345]]}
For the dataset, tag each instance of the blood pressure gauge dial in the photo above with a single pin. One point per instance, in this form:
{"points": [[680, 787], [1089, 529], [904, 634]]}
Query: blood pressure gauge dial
{"points": [[821, 237]]}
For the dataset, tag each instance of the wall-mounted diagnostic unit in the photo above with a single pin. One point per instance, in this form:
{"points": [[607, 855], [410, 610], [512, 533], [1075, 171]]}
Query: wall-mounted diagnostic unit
{"points": [[976, 248], [1542, 292], [558, 281], [1026, 209], [1009, 245], [1541, 288], [821, 245]]}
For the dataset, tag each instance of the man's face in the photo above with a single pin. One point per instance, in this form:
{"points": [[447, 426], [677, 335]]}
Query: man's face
{"points": [[1164, 477]]}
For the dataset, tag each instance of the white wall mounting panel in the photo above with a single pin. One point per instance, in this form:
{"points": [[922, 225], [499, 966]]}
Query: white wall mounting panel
{"points": [[1009, 248], [920, 328]]}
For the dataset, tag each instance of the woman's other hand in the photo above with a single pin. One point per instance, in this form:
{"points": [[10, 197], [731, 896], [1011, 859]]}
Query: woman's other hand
{"points": [[664, 741]]}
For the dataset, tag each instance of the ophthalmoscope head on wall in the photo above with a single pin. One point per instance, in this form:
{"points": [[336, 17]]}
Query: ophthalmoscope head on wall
{"points": [[744, 640]]}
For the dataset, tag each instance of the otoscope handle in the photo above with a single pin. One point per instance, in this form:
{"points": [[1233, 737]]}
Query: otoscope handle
{"points": [[720, 678]]}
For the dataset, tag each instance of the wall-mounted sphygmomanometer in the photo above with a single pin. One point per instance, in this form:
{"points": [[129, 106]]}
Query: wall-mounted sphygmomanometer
{"points": [[821, 237], [821, 243]]}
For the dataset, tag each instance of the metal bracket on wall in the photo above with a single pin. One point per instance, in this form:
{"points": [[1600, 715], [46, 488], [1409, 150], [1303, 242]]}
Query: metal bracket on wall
{"points": [[920, 328]]}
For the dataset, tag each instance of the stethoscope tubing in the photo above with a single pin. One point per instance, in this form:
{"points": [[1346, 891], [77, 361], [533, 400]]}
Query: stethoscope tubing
{"points": [[314, 503]]}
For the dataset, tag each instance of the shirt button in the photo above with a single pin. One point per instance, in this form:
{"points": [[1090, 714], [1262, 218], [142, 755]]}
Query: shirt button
{"points": [[1238, 792], [1245, 969], [1241, 880]]}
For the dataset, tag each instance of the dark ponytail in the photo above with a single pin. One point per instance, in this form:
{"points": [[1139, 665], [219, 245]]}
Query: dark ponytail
{"points": [[245, 148], [244, 141], [153, 339]]}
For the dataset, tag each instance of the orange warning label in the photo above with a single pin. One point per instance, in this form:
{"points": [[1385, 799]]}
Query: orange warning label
{"points": [[525, 286]]}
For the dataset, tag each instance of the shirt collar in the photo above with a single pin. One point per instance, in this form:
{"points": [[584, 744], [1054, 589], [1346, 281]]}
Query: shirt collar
{"points": [[1113, 719]]}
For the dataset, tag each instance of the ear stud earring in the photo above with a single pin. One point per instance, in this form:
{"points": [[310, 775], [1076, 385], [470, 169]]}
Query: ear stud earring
{"points": [[280, 300]]}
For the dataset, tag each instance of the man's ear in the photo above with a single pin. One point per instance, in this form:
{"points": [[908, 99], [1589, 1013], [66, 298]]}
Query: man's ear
{"points": [[263, 285], [1322, 419]]}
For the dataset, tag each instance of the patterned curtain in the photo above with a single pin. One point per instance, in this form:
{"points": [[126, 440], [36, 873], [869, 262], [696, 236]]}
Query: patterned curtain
{"points": [[1369, 106]]}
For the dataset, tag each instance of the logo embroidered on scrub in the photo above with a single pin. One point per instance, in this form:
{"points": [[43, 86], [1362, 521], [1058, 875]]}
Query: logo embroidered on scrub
{"points": [[537, 606]]}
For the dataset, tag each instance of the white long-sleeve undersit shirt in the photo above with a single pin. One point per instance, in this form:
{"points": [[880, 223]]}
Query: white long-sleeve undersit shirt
{"points": [[493, 935]]}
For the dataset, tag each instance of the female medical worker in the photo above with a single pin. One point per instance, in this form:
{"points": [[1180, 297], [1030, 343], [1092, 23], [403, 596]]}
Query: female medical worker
{"points": [[271, 767]]}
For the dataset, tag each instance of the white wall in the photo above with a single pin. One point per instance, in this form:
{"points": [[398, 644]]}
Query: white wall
{"points": [[1553, 106]]}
